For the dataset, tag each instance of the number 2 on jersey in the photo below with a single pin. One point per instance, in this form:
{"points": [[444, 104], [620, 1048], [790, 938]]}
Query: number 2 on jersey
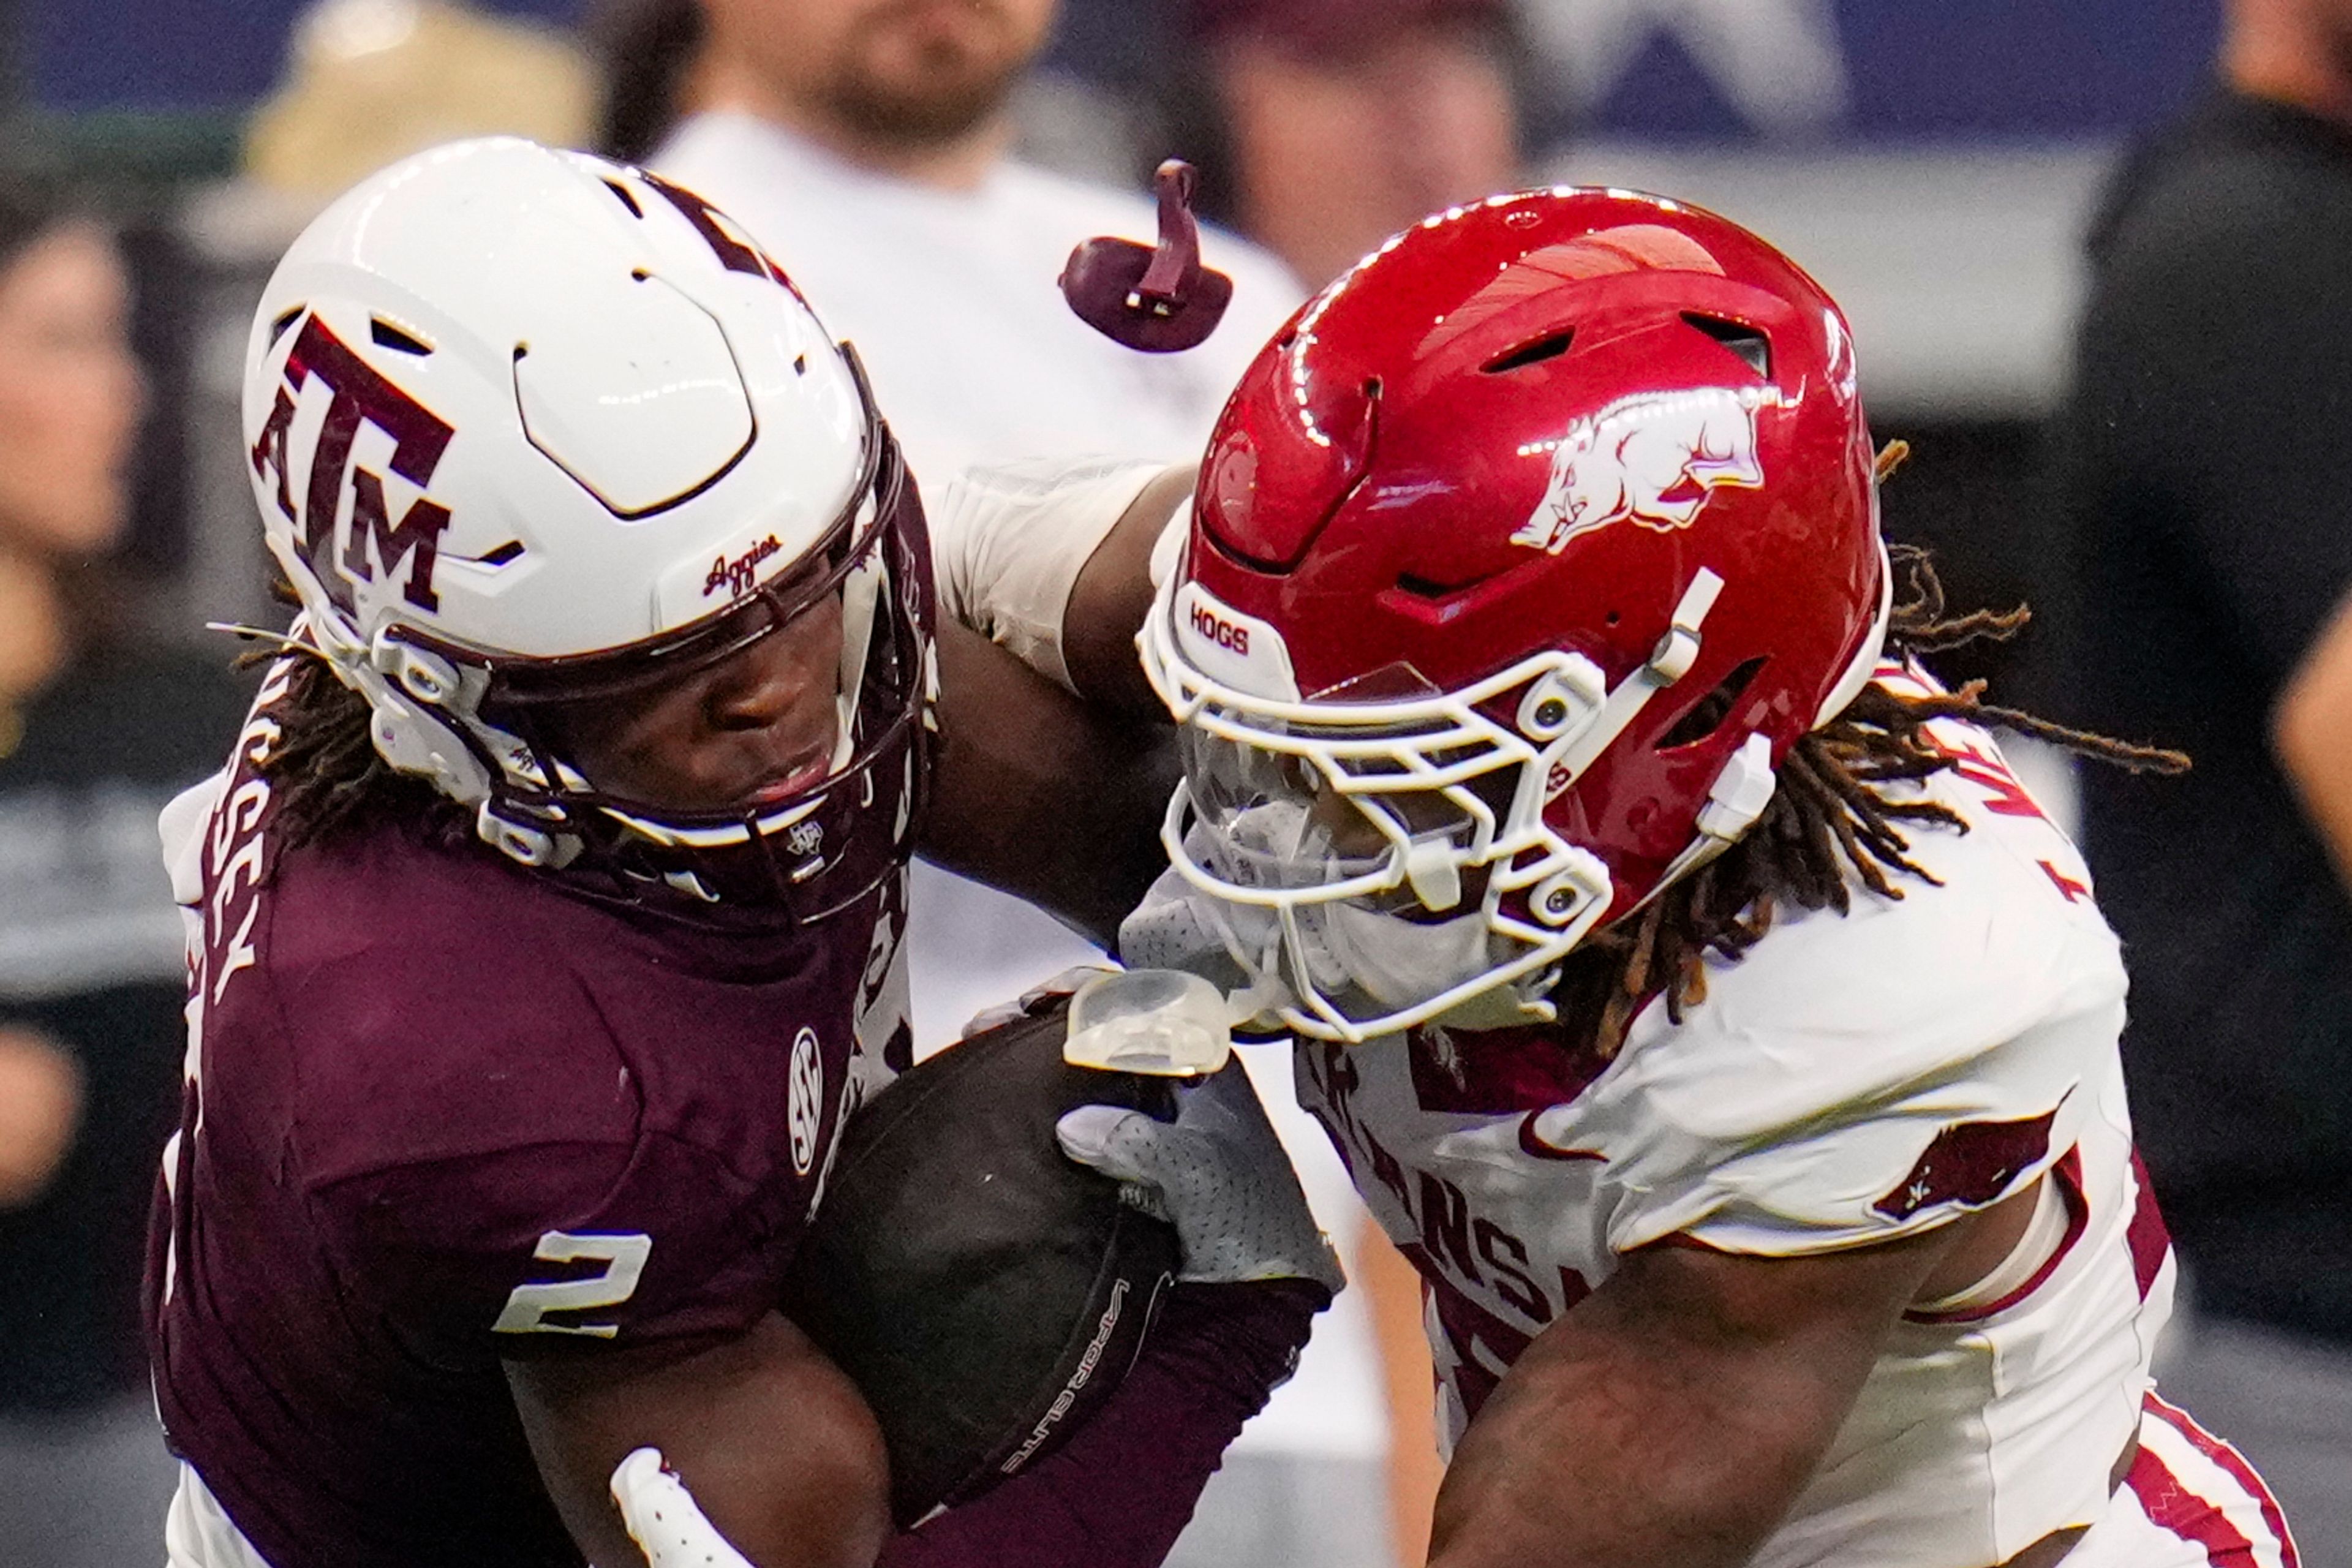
{"points": [[623, 1257]]}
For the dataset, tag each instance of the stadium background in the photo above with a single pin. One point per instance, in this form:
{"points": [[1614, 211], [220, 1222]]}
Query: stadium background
{"points": [[1932, 165]]}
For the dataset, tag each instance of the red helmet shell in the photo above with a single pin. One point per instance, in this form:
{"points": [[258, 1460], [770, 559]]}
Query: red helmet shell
{"points": [[1529, 424]]}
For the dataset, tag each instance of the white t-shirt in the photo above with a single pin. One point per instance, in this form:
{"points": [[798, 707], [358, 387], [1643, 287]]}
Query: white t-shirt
{"points": [[1853, 1080], [951, 300]]}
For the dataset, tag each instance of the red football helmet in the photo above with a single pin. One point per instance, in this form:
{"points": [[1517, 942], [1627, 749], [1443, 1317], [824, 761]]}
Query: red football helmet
{"points": [[1479, 535]]}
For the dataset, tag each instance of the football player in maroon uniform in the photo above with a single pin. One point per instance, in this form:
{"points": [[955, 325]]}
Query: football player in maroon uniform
{"points": [[543, 927]]}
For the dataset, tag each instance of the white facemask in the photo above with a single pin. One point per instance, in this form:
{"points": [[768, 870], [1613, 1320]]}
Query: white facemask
{"points": [[1345, 949]]}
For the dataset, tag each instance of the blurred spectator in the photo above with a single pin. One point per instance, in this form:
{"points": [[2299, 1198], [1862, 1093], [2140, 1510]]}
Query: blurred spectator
{"points": [[1344, 120], [93, 739], [2209, 549], [866, 144], [370, 81]]}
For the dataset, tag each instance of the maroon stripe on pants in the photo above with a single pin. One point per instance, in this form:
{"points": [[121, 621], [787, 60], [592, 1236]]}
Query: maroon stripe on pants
{"points": [[2147, 1235], [2172, 1507]]}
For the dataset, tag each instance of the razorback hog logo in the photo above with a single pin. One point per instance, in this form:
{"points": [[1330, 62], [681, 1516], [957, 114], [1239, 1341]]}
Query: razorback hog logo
{"points": [[419, 437], [1654, 458], [1212, 628]]}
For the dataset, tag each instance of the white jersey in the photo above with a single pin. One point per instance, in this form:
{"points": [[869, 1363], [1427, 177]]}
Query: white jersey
{"points": [[1852, 1080]]}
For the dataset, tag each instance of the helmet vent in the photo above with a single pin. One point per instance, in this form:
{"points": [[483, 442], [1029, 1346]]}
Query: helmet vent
{"points": [[621, 193], [1744, 341], [503, 554], [283, 319], [1551, 346], [1706, 716], [388, 336]]}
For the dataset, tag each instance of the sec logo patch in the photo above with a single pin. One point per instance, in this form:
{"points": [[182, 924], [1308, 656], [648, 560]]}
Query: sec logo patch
{"points": [[806, 1106]]}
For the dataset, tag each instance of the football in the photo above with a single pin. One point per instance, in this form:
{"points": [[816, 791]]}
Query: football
{"points": [[984, 1292]]}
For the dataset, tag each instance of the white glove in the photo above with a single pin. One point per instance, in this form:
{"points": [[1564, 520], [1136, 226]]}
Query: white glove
{"points": [[1219, 1175], [662, 1517]]}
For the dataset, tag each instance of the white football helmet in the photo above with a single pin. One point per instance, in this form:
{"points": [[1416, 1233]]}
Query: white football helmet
{"points": [[528, 427]]}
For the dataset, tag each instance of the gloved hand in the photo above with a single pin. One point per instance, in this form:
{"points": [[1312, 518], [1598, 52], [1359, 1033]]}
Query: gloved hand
{"points": [[1219, 1175]]}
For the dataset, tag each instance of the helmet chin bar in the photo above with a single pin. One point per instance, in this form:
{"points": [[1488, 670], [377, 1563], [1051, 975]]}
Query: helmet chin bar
{"points": [[1566, 719]]}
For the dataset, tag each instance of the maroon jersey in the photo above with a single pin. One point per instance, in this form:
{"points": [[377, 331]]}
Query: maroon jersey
{"points": [[441, 1111]]}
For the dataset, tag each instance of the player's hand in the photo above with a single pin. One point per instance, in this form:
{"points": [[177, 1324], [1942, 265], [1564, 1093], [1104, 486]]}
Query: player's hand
{"points": [[1063, 984], [1219, 1175]]}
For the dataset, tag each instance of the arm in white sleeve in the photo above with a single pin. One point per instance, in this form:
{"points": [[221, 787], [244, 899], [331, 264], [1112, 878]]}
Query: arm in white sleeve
{"points": [[1008, 542]]}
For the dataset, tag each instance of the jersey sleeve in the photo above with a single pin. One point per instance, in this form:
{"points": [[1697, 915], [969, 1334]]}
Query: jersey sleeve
{"points": [[551, 1248], [1009, 541], [1872, 1077]]}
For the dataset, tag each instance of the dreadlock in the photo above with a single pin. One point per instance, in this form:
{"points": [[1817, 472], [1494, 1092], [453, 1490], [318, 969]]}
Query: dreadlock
{"points": [[325, 773], [1829, 817]]}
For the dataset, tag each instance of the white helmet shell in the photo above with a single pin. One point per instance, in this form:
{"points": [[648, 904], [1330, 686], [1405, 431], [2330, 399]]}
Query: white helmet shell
{"points": [[538, 404]]}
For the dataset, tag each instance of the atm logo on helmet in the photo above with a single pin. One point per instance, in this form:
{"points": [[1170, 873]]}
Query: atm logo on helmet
{"points": [[419, 437], [1654, 458]]}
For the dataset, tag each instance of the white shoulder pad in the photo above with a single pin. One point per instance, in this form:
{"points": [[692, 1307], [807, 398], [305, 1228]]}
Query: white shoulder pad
{"points": [[1008, 542], [1863, 1077], [181, 825]]}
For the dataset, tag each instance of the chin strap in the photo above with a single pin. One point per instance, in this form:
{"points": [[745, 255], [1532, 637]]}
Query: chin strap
{"points": [[1742, 791], [401, 682], [1677, 651], [284, 642], [1155, 300], [1734, 804]]}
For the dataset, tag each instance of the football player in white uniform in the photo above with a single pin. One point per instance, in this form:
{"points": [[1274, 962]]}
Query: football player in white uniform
{"points": [[1695, 993]]}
